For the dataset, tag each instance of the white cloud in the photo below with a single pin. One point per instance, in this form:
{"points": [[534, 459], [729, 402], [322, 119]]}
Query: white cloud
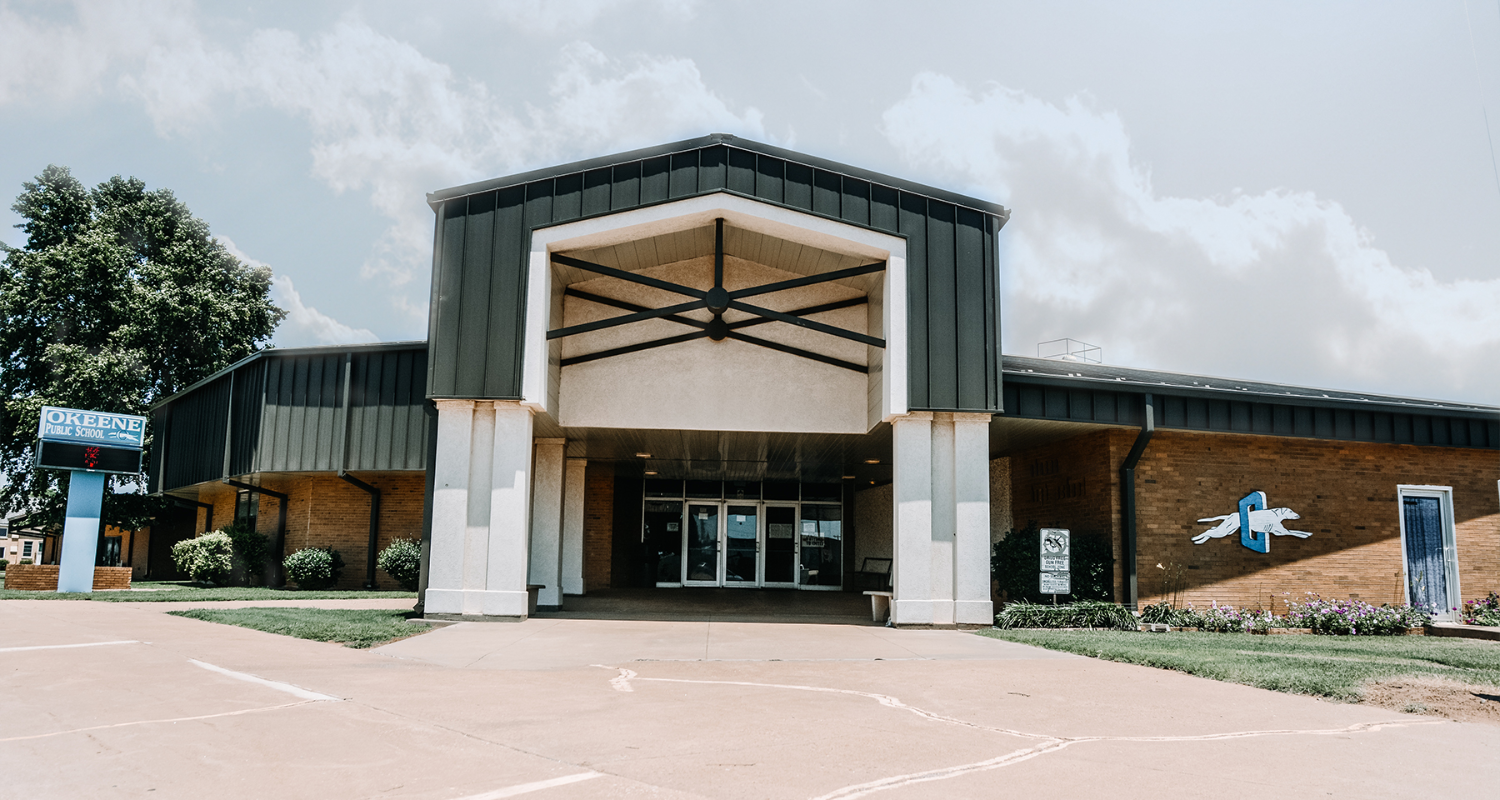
{"points": [[51, 59], [304, 326], [552, 16], [387, 120], [1282, 285]]}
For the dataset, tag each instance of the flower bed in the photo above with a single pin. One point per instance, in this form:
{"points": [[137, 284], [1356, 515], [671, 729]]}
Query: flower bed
{"points": [[1485, 611], [1329, 617]]}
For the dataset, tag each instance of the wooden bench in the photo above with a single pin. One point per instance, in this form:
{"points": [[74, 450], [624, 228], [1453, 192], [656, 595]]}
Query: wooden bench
{"points": [[880, 605]]}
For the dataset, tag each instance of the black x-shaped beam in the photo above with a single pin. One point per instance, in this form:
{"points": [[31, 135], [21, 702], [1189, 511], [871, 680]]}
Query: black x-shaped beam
{"points": [[703, 333], [717, 300]]}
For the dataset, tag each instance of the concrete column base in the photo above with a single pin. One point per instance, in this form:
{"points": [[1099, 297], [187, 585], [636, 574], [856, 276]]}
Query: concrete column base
{"points": [[974, 612], [443, 603]]}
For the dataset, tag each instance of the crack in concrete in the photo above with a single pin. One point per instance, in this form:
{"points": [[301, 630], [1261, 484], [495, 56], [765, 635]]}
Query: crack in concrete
{"points": [[154, 721], [1047, 743]]}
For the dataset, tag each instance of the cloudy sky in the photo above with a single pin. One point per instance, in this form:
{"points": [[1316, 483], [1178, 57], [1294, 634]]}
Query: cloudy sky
{"points": [[1283, 191]]}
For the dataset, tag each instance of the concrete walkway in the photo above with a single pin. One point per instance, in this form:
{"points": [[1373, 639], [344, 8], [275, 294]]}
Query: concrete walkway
{"points": [[546, 644], [105, 700]]}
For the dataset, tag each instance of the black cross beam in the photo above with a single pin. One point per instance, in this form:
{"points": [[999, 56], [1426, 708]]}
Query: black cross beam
{"points": [[717, 300]]}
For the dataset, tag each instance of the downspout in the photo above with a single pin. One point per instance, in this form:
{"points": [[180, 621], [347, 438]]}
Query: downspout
{"points": [[374, 525], [208, 521], [278, 579], [1127, 500]]}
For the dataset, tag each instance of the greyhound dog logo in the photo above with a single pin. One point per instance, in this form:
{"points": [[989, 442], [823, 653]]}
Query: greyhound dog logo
{"points": [[1254, 522]]}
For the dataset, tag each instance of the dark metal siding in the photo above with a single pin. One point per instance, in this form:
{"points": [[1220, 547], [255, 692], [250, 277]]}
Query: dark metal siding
{"points": [[477, 323], [303, 400], [1037, 399], [246, 417], [195, 426], [387, 422], [288, 415]]}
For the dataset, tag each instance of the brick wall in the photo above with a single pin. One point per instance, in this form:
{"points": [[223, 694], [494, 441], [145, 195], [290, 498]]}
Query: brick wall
{"points": [[1346, 496], [1072, 484], [598, 524], [325, 511], [43, 577]]}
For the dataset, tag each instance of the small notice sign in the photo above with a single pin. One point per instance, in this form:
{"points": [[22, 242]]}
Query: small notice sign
{"points": [[1056, 561], [91, 427]]}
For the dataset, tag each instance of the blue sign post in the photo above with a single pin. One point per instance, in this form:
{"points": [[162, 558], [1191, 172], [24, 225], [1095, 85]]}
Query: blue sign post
{"points": [[94, 445]]}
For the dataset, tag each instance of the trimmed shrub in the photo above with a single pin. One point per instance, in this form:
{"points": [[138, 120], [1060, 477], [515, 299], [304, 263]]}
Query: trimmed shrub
{"points": [[206, 559], [250, 548], [402, 560], [314, 567], [4, 563], [1164, 613], [1015, 565], [1093, 614]]}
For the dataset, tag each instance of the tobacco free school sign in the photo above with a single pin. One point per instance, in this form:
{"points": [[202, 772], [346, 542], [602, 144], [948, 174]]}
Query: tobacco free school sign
{"points": [[91, 427]]}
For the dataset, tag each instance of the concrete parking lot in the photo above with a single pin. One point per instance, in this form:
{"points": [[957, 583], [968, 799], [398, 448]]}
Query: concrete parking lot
{"points": [[123, 700]]}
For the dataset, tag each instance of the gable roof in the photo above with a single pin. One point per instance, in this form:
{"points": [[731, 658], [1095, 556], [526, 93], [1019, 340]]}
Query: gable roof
{"points": [[910, 187]]}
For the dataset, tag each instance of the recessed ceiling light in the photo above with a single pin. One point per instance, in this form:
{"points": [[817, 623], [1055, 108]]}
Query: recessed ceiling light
{"points": [[650, 472], [848, 477], [642, 455], [872, 461]]}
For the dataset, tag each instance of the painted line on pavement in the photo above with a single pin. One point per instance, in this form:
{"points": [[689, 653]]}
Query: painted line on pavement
{"points": [[1048, 743], [154, 721], [295, 691], [65, 646], [527, 788], [1058, 743]]}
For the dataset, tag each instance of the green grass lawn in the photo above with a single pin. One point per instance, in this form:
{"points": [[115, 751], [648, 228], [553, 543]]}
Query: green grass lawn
{"points": [[350, 627], [1327, 666], [175, 592]]}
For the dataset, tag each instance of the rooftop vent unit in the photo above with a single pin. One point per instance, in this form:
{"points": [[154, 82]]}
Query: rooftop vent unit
{"points": [[1071, 350]]}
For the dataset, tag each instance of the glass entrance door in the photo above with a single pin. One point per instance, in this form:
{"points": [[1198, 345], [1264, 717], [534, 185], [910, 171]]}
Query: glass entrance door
{"points": [[780, 546], [741, 545], [701, 546]]}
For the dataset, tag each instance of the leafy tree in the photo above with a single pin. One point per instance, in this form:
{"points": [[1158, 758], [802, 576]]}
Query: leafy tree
{"points": [[118, 299]]}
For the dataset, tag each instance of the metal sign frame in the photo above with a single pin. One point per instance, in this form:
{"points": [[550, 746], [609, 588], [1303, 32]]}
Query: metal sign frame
{"points": [[1056, 562]]}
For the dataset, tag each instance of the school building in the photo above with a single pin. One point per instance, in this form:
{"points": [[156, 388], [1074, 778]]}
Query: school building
{"points": [[717, 363]]}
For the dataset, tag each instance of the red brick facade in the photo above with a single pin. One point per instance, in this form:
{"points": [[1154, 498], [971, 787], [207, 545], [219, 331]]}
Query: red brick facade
{"points": [[324, 511], [1073, 484], [43, 577], [1345, 492], [598, 525], [1346, 495]]}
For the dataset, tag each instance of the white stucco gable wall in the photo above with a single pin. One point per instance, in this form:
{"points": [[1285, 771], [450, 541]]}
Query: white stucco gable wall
{"points": [[817, 397]]}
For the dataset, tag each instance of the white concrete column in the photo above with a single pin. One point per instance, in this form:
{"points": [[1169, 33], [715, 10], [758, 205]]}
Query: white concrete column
{"points": [[547, 520], [911, 528], [943, 519], [450, 503], [971, 489], [477, 521], [572, 520], [510, 501]]}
